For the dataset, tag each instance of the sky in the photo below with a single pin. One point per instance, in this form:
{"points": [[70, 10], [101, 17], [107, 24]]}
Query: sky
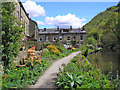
{"points": [[64, 14]]}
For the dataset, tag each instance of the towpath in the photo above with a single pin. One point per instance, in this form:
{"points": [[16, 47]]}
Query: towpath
{"points": [[48, 78]]}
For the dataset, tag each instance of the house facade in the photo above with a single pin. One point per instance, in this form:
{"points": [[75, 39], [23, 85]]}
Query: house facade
{"points": [[30, 26], [22, 16], [33, 30], [63, 35]]}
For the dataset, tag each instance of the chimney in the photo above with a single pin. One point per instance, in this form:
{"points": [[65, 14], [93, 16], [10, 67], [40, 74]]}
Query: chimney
{"points": [[83, 27], [58, 28], [44, 29], [70, 27]]}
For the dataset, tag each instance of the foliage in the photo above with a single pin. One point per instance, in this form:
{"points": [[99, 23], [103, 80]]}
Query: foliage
{"points": [[105, 25], [29, 44], [83, 47], [61, 48], [81, 74], [91, 40], [31, 58], [53, 49], [109, 40], [11, 33], [23, 76]]}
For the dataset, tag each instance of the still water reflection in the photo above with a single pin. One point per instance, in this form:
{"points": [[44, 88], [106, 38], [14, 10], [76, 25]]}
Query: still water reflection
{"points": [[103, 59]]}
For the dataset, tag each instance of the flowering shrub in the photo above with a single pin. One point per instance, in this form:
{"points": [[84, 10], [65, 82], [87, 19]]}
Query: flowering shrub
{"points": [[53, 49], [32, 59]]}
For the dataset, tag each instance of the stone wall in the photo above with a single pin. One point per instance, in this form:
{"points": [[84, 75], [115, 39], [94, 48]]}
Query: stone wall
{"points": [[64, 37]]}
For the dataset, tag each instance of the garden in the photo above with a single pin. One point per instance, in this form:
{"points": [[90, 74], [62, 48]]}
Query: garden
{"points": [[82, 74], [26, 72]]}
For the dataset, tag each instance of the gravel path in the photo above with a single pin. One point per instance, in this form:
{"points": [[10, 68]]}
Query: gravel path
{"points": [[48, 78]]}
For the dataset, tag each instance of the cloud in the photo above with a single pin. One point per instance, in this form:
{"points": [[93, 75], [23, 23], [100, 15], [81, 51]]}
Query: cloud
{"points": [[33, 9], [66, 21], [40, 23]]}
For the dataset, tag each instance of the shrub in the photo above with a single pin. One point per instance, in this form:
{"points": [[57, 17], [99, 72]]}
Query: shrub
{"points": [[53, 49], [91, 40], [61, 48], [81, 74]]}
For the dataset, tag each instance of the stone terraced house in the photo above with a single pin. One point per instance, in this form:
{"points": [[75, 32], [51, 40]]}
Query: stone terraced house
{"points": [[64, 35], [28, 23]]}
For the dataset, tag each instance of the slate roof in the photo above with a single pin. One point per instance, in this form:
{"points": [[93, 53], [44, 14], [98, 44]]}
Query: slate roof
{"points": [[55, 31]]}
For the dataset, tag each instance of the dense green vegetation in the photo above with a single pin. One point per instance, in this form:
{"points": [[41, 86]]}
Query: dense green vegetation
{"points": [[22, 77], [105, 28], [11, 33], [81, 74]]}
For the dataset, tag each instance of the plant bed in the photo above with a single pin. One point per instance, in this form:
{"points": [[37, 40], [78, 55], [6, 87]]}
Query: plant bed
{"points": [[23, 77], [81, 74]]}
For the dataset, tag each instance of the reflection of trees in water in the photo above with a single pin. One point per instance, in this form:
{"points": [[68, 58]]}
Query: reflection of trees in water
{"points": [[103, 59]]}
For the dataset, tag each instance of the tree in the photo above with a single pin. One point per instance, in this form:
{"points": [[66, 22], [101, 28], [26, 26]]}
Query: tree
{"points": [[91, 40], [109, 40], [11, 33]]}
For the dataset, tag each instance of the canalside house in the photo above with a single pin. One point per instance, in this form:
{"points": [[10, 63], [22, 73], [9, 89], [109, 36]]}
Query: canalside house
{"points": [[64, 35], [30, 26], [33, 31], [22, 16]]}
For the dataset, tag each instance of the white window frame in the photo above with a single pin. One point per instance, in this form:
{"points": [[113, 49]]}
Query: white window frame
{"points": [[41, 39], [82, 38], [47, 38], [54, 38], [61, 37]]}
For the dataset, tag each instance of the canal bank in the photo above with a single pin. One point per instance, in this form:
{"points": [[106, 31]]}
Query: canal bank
{"points": [[107, 60]]}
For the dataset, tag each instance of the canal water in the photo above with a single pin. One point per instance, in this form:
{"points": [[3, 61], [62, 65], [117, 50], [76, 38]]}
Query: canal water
{"points": [[107, 60]]}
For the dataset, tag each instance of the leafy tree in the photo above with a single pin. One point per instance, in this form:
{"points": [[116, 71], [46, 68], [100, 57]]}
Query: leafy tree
{"points": [[109, 40], [11, 33], [105, 26], [91, 40]]}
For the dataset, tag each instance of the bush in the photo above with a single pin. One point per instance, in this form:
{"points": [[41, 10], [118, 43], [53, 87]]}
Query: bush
{"points": [[91, 40], [53, 49], [81, 74], [61, 48], [23, 76]]}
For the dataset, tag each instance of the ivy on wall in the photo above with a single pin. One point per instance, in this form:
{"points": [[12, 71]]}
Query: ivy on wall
{"points": [[11, 33]]}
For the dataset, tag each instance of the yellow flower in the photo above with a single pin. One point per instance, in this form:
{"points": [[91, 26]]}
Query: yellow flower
{"points": [[16, 69], [73, 48]]}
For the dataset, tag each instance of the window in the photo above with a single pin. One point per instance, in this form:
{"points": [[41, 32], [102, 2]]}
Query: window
{"points": [[17, 15], [46, 38], [40, 39], [74, 37], [81, 37], [61, 38], [54, 38], [68, 38]]}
